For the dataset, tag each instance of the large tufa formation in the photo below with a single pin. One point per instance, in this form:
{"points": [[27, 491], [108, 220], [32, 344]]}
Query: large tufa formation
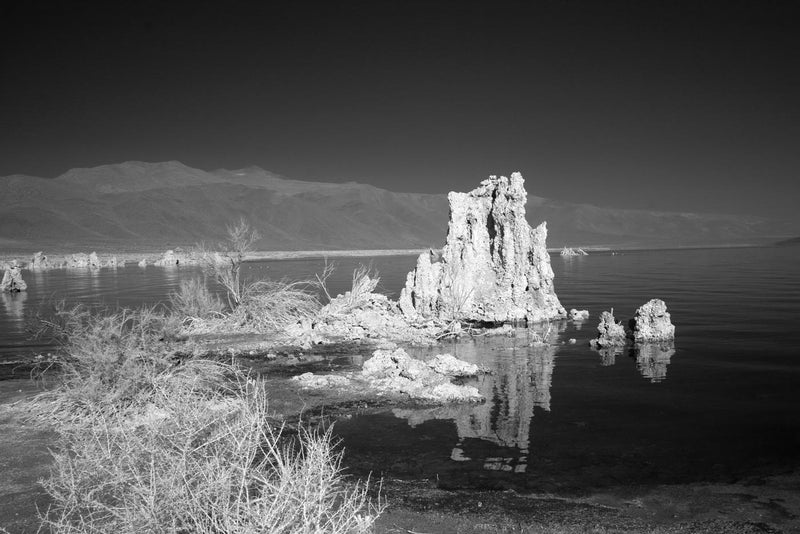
{"points": [[652, 323], [12, 281], [494, 266]]}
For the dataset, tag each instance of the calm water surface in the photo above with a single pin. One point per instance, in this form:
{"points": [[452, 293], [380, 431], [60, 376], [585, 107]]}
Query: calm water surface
{"points": [[723, 403]]}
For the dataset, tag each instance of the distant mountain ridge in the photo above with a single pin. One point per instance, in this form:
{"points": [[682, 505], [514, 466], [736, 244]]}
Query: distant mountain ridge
{"points": [[136, 205]]}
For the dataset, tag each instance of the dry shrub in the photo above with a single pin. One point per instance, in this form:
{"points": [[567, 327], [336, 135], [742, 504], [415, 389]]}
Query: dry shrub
{"points": [[107, 358], [365, 280], [152, 444], [266, 307], [225, 264], [193, 460], [457, 294], [193, 300], [269, 305]]}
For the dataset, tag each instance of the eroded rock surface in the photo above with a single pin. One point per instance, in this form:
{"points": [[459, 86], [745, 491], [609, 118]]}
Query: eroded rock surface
{"points": [[395, 372], [374, 317], [12, 281], [652, 323], [494, 266]]}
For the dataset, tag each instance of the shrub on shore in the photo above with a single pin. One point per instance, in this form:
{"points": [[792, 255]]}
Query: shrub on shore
{"points": [[194, 301], [152, 444]]}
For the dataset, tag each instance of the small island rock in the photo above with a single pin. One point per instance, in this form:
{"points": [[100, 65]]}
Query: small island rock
{"points": [[652, 323], [12, 279]]}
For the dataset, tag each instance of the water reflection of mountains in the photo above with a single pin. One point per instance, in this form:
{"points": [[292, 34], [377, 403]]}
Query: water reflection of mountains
{"points": [[497, 433]]}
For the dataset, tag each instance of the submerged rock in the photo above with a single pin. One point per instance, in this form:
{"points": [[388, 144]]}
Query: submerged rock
{"points": [[12, 281], [395, 372], [494, 266], [652, 323], [143, 263], [112, 262], [610, 332]]}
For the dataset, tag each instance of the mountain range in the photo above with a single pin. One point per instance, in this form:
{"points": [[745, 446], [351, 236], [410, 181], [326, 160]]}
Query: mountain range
{"points": [[136, 205]]}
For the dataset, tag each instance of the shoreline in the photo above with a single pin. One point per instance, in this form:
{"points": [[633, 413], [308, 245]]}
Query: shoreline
{"points": [[267, 255], [754, 505]]}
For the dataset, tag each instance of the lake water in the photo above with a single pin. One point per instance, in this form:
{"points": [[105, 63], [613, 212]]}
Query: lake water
{"points": [[722, 404]]}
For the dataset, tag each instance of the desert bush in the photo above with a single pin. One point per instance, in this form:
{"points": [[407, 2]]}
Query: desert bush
{"points": [[150, 443], [225, 263], [201, 460], [107, 358], [457, 294], [365, 280], [269, 305], [193, 300]]}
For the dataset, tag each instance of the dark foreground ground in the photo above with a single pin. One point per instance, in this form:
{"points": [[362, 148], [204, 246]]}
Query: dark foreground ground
{"points": [[765, 505]]}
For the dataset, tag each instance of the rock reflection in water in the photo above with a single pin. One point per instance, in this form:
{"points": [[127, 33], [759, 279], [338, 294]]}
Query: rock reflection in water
{"points": [[652, 359], [608, 355], [520, 373], [14, 303]]}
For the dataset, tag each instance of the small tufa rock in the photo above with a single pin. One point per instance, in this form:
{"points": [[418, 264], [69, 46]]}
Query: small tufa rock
{"points": [[567, 251], [12, 279], [610, 332], [578, 315], [39, 261], [167, 259], [652, 323], [78, 261]]}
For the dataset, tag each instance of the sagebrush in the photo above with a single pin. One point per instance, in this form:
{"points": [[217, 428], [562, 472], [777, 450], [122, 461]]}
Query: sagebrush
{"points": [[154, 443]]}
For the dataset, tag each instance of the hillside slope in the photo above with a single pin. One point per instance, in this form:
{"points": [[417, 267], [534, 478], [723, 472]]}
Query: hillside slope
{"points": [[138, 205]]}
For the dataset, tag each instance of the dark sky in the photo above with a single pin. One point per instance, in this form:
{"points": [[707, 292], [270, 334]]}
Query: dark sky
{"points": [[688, 106]]}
